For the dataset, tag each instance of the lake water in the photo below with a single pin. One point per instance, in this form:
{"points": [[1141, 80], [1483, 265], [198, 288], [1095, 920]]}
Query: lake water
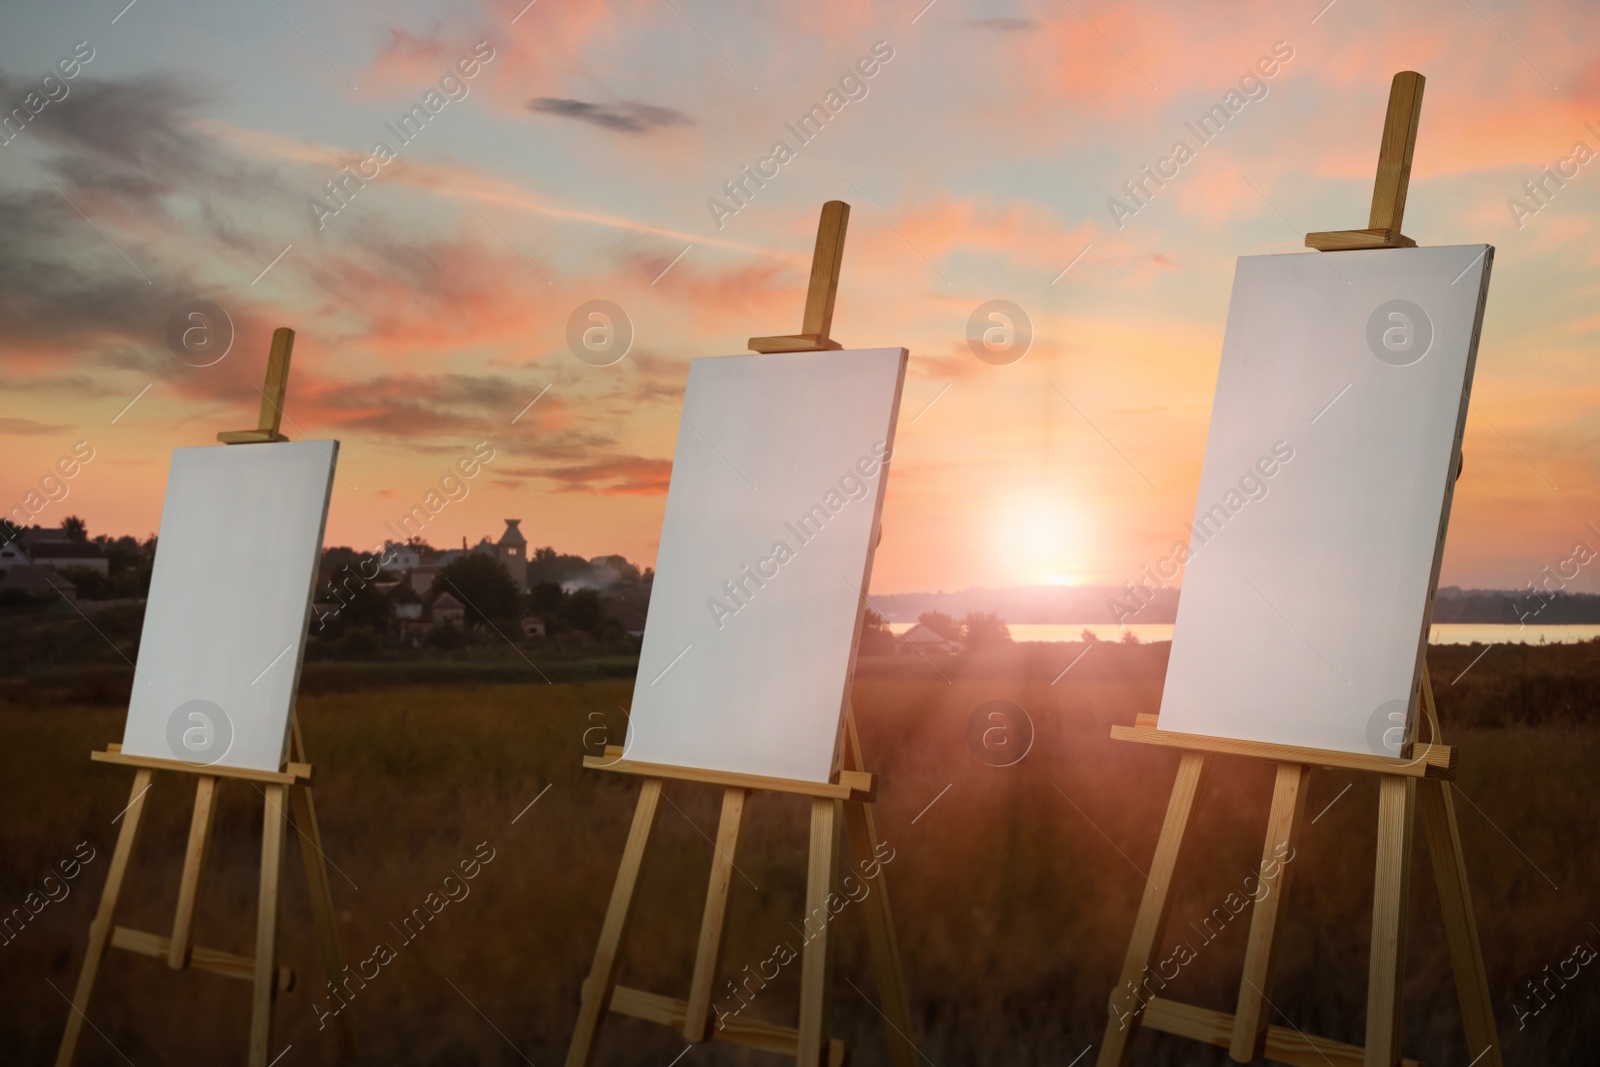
{"points": [[1443, 634]]}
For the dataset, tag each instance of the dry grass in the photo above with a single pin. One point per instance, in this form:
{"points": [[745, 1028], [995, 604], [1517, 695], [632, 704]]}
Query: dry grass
{"points": [[1014, 893]]}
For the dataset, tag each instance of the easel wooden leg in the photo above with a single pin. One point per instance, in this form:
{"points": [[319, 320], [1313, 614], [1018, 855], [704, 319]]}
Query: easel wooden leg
{"points": [[1283, 834], [1397, 803], [862, 831], [894, 1001], [316, 865], [1154, 907], [273, 825], [602, 978], [194, 858], [816, 964], [708, 957], [322, 913], [1436, 804], [105, 918]]}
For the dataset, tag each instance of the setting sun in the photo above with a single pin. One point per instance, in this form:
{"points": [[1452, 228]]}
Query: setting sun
{"points": [[1042, 538]]}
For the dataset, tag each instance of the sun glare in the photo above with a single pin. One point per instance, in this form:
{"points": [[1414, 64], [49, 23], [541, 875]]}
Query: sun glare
{"points": [[1040, 540]]}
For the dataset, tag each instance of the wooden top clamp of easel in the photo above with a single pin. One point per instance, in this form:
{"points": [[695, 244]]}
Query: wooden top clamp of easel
{"points": [[1394, 175], [821, 290], [272, 395]]}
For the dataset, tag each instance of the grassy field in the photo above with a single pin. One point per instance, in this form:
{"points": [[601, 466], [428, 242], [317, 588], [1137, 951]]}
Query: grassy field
{"points": [[1014, 892]]}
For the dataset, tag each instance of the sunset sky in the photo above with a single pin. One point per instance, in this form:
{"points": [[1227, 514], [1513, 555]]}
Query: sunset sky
{"points": [[577, 161]]}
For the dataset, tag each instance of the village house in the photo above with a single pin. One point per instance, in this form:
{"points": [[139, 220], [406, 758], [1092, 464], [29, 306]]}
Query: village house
{"points": [[37, 580], [52, 546], [921, 639], [447, 611], [59, 554]]}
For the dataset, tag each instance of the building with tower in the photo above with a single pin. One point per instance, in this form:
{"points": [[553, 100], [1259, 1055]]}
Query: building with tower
{"points": [[512, 551]]}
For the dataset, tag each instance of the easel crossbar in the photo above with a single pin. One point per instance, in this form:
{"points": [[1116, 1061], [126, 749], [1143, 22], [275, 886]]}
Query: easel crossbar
{"points": [[1284, 1044], [292, 773], [736, 1030], [212, 960], [1433, 761], [852, 785]]}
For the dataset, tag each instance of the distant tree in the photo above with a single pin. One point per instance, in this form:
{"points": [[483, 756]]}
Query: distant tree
{"points": [[1088, 637], [980, 629], [547, 565], [484, 588], [335, 559], [876, 637], [941, 624], [619, 569], [604, 572], [128, 564], [364, 606], [357, 642], [1129, 637], [91, 584], [75, 528], [129, 584], [545, 598], [584, 610], [445, 638]]}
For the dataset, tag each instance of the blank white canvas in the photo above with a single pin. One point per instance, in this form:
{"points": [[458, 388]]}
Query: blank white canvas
{"points": [[230, 601], [1303, 616], [758, 685]]}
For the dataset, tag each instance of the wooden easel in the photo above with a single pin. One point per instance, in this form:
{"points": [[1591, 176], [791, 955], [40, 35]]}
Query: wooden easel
{"points": [[836, 807], [291, 785], [1419, 778]]}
